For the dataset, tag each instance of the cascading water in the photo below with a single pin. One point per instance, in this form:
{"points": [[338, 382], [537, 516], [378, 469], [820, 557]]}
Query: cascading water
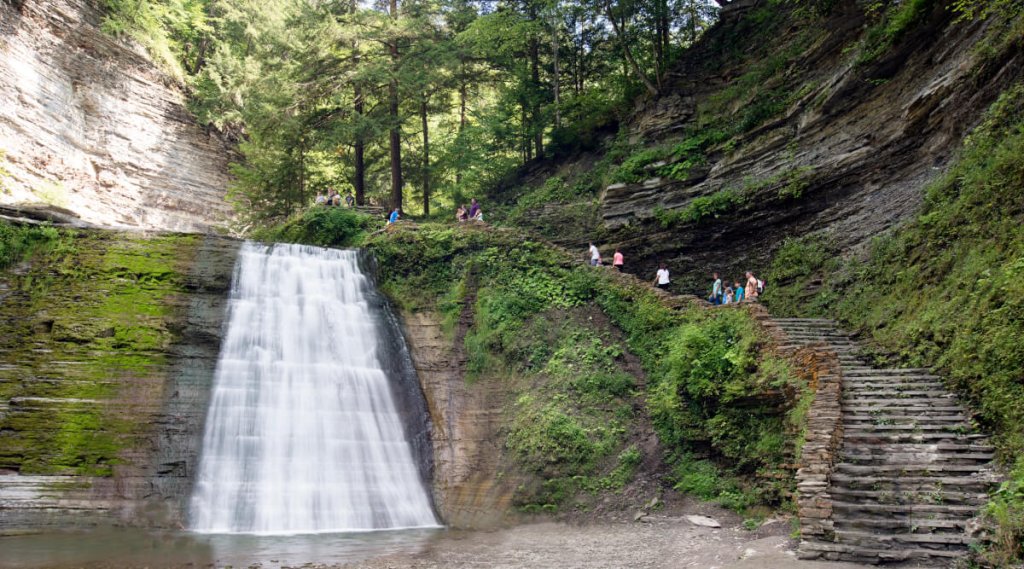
{"points": [[303, 434]]}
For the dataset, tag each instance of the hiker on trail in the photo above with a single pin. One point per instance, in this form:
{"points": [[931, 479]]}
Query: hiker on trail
{"points": [[617, 260], [474, 208], [716, 290], [727, 298], [460, 214], [349, 200], [394, 216], [595, 255], [738, 288], [751, 287], [661, 279], [336, 199], [321, 199]]}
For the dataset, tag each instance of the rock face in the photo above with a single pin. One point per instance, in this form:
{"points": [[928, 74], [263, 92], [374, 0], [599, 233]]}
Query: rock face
{"points": [[850, 155], [108, 346], [471, 488], [92, 126]]}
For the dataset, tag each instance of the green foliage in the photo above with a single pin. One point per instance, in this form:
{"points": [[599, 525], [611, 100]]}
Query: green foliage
{"points": [[550, 330], [1006, 510], [17, 241], [323, 226], [791, 185], [897, 19]]}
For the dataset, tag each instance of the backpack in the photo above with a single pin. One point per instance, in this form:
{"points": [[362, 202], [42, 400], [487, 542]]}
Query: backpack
{"points": [[760, 286]]}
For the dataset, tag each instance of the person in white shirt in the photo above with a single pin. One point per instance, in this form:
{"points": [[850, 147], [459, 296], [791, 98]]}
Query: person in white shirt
{"points": [[595, 255], [661, 279]]}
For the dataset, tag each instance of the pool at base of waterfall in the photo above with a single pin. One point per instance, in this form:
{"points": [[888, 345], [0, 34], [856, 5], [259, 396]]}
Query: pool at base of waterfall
{"points": [[124, 548]]}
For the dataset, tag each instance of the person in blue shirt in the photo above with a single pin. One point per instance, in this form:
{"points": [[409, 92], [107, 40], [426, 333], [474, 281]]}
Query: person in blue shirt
{"points": [[394, 216], [739, 291]]}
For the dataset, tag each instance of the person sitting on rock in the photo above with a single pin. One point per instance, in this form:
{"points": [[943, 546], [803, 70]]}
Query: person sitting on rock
{"points": [[473, 208], [395, 215], [479, 216], [460, 214]]}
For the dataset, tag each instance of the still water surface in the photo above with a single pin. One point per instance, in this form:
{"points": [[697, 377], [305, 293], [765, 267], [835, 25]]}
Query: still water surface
{"points": [[124, 548]]}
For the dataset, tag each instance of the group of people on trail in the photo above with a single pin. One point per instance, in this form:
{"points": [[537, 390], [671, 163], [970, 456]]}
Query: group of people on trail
{"points": [[595, 257], [333, 198], [749, 289], [472, 212]]}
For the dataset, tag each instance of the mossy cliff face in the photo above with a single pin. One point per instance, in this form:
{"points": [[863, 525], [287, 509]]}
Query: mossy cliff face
{"points": [[108, 343]]}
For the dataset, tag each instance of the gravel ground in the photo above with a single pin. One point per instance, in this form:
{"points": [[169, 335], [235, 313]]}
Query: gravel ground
{"points": [[663, 541]]}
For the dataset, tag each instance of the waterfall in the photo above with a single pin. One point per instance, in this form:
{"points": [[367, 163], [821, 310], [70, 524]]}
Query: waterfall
{"points": [[303, 434]]}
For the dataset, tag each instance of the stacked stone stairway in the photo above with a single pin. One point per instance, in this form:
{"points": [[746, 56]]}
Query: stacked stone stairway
{"points": [[912, 471]]}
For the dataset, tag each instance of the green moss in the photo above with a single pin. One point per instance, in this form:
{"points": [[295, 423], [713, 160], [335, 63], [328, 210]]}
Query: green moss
{"points": [[90, 327], [322, 226]]}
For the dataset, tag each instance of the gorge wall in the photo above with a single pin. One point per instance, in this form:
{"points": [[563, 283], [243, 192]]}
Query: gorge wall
{"points": [[92, 126], [108, 344], [781, 122]]}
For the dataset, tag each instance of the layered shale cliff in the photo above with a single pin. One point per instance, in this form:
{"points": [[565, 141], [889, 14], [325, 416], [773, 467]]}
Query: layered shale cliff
{"points": [[88, 124]]}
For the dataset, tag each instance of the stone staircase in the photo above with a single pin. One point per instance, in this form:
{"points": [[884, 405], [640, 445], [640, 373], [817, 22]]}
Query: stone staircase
{"points": [[911, 473]]}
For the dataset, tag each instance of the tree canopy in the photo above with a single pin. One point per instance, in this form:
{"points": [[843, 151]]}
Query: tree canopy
{"points": [[406, 103]]}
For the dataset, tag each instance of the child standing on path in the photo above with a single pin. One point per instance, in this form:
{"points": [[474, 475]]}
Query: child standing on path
{"points": [[739, 291], [661, 279]]}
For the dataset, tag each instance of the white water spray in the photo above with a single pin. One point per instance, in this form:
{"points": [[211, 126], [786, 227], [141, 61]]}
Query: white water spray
{"points": [[303, 434]]}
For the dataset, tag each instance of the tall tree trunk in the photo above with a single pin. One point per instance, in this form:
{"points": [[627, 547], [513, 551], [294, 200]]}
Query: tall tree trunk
{"points": [[628, 53], [462, 118], [359, 150], [558, 76], [537, 127], [395, 134], [426, 156]]}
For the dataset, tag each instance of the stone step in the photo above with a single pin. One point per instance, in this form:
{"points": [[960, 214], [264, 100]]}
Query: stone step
{"points": [[846, 552], [888, 372], [889, 393], [883, 481], [944, 427], [894, 380], [898, 540], [903, 401], [923, 447], [909, 469], [898, 458], [895, 511], [908, 496], [894, 438], [917, 525], [896, 408], [893, 418]]}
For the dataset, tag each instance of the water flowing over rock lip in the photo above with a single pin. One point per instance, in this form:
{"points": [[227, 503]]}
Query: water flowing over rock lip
{"points": [[304, 434]]}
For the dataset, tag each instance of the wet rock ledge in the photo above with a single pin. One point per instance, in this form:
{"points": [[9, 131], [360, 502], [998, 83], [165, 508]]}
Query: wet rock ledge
{"points": [[108, 344]]}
